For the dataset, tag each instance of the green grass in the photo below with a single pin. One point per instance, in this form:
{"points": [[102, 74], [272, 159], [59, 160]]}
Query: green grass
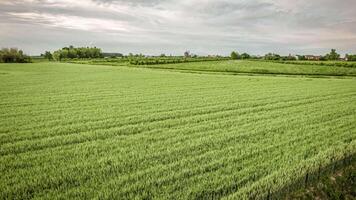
{"points": [[259, 67], [86, 131]]}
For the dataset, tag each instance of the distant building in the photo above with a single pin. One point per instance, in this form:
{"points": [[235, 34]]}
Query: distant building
{"points": [[344, 58], [312, 57]]}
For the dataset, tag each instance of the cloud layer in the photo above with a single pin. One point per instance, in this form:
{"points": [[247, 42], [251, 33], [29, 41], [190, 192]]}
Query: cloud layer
{"points": [[171, 27]]}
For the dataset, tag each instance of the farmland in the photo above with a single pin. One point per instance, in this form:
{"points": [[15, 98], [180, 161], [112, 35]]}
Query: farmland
{"points": [[260, 67], [89, 131], [321, 63], [246, 66]]}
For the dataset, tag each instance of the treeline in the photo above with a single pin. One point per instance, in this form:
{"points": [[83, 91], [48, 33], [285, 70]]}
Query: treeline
{"points": [[112, 55], [13, 55], [351, 57], [273, 56], [332, 56], [236, 56], [74, 52]]}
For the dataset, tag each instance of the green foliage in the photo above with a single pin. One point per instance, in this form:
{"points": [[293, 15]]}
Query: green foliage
{"points": [[91, 132], [13, 55], [81, 52], [351, 57], [113, 55], [187, 54], [272, 56], [245, 56], [234, 55], [301, 57], [48, 55], [332, 55], [121, 61], [288, 58]]}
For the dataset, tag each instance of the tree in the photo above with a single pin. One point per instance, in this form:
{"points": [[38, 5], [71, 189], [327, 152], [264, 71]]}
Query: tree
{"points": [[13, 55], [64, 53], [187, 54], [323, 58], [272, 56], [234, 55], [350, 57], [245, 56], [301, 57], [332, 55], [48, 55], [72, 53], [81, 52], [289, 57], [57, 55]]}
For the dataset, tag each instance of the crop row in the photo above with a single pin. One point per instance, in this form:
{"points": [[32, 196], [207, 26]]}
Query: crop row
{"points": [[112, 133], [153, 114], [135, 127], [157, 61]]}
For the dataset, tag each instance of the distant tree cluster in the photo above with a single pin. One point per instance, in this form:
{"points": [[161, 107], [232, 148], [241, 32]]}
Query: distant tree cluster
{"points": [[272, 56], [289, 57], [73, 52], [332, 55], [187, 54], [301, 57], [112, 55], [13, 55], [48, 55], [351, 57], [93, 52], [236, 56]]}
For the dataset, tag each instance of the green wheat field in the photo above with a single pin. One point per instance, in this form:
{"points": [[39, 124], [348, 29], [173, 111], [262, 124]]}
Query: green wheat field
{"points": [[103, 132]]}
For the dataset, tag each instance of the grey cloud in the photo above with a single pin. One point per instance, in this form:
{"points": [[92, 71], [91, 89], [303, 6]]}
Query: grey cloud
{"points": [[203, 26], [133, 2]]}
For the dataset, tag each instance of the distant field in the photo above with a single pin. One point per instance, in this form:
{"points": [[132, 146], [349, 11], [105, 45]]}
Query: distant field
{"points": [[243, 66], [260, 67], [322, 63], [101, 61], [86, 131]]}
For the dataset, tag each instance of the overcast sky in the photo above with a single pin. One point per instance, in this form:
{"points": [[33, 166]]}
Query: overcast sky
{"points": [[173, 26]]}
